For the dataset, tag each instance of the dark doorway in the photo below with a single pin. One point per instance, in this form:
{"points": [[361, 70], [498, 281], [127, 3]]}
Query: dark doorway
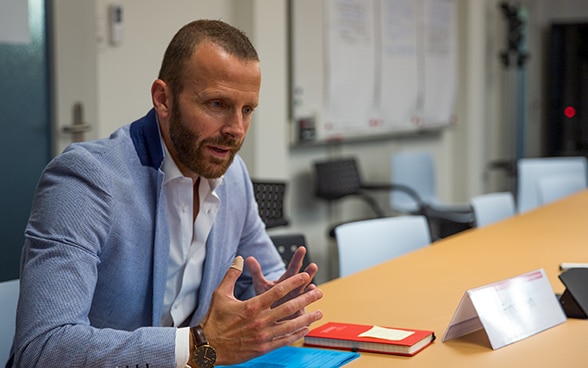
{"points": [[566, 124]]}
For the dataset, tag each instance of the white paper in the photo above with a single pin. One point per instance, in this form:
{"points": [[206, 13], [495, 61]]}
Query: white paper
{"points": [[385, 333], [389, 66], [440, 61], [509, 310], [350, 65], [399, 87], [14, 22]]}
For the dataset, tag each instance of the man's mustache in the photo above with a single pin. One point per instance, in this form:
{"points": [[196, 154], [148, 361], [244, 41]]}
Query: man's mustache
{"points": [[232, 144]]}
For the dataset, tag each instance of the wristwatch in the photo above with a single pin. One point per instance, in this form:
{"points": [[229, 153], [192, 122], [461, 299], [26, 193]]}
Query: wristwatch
{"points": [[203, 355]]}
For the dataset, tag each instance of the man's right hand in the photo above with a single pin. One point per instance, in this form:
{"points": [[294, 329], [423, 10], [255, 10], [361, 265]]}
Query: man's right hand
{"points": [[242, 330]]}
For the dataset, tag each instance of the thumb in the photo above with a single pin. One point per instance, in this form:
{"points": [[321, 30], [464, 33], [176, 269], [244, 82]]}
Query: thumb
{"points": [[227, 285]]}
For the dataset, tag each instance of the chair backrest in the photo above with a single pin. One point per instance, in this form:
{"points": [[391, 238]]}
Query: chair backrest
{"points": [[286, 244], [552, 188], [492, 207], [530, 170], [8, 299], [417, 171], [269, 196], [337, 178], [366, 243]]}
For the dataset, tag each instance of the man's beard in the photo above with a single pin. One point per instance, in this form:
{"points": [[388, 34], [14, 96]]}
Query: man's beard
{"points": [[194, 156]]}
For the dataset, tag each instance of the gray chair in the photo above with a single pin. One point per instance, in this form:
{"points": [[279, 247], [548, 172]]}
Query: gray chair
{"points": [[492, 207], [366, 243], [556, 187], [9, 291], [416, 170], [531, 170]]}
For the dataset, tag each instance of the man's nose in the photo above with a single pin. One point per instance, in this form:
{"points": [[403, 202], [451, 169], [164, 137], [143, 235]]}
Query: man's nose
{"points": [[235, 125]]}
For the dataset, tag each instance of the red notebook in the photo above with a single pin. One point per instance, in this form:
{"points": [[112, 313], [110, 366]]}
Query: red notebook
{"points": [[387, 340]]}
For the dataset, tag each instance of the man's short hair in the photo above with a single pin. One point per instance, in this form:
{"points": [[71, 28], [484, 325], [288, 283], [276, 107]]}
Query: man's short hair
{"points": [[185, 41]]}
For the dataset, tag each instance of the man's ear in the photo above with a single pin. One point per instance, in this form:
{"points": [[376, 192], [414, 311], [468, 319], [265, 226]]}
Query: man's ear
{"points": [[161, 97]]}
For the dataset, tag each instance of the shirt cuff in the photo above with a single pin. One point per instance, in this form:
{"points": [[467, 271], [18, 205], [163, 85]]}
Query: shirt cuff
{"points": [[182, 347]]}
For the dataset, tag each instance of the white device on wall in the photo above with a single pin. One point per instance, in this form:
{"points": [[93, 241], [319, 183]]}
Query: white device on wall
{"points": [[115, 18]]}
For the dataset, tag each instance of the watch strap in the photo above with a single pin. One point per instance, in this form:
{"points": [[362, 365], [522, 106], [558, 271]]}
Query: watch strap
{"points": [[198, 335]]}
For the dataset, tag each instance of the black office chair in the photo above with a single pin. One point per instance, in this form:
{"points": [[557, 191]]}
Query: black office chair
{"points": [[270, 200], [340, 178], [286, 244], [270, 196]]}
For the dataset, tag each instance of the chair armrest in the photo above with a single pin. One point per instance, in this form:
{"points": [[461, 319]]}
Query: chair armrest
{"points": [[393, 186]]}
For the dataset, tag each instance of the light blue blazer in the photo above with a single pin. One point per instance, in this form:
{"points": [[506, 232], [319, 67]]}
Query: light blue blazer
{"points": [[94, 262]]}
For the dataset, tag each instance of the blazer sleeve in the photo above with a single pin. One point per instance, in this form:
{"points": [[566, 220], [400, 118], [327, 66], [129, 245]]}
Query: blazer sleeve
{"points": [[69, 223], [255, 241]]}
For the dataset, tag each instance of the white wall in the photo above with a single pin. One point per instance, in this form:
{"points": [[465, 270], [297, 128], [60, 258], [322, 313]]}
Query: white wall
{"points": [[126, 72], [119, 80]]}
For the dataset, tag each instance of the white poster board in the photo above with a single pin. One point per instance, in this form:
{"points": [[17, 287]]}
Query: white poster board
{"points": [[367, 68]]}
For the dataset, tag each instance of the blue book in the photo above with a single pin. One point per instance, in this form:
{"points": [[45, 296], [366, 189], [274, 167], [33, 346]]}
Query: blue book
{"points": [[299, 357]]}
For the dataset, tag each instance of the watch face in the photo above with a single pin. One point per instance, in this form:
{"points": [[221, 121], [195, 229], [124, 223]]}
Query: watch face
{"points": [[205, 356]]}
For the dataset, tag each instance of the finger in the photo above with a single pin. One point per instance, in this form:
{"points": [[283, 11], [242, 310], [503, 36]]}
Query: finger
{"points": [[298, 258], [227, 285], [281, 289], [277, 341], [311, 270], [288, 339], [254, 267], [260, 283], [295, 263], [237, 263], [290, 307], [294, 325]]}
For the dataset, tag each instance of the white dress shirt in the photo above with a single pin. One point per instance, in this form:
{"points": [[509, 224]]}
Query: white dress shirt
{"points": [[187, 248]]}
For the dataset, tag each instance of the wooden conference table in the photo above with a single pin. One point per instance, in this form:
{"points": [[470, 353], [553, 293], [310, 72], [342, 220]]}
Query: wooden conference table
{"points": [[422, 290]]}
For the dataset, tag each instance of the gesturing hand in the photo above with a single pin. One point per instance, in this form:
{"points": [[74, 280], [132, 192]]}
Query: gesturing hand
{"points": [[261, 284], [242, 330]]}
